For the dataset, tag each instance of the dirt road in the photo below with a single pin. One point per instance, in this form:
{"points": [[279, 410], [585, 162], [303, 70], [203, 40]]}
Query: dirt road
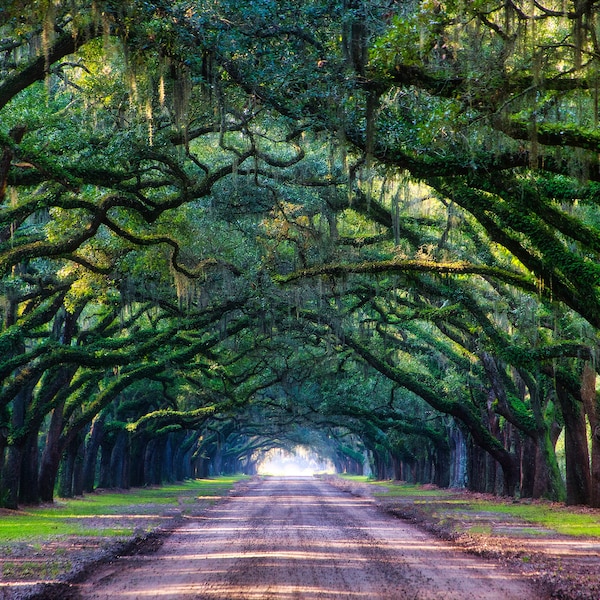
{"points": [[302, 539]]}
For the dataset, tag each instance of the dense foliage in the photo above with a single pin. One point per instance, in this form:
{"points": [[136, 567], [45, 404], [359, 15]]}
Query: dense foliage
{"points": [[366, 227]]}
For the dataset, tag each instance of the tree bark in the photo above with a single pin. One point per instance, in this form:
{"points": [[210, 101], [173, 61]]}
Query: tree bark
{"points": [[68, 472], [548, 482], [51, 456], [11, 473], [117, 461], [91, 453], [106, 446], [28, 490], [77, 486], [10, 481], [576, 448], [591, 402]]}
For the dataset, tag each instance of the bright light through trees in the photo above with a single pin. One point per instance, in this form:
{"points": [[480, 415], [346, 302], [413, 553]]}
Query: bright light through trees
{"points": [[302, 462]]}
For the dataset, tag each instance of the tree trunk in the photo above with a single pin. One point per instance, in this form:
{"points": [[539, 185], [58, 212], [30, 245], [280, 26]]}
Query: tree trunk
{"points": [[126, 470], [491, 475], [91, 452], [529, 456], [78, 467], [66, 474], [148, 462], [104, 477], [117, 461], [11, 472], [158, 460], [29, 490], [183, 455], [595, 487], [51, 456], [548, 481], [442, 466], [168, 468], [591, 402], [137, 451], [10, 482], [576, 448], [458, 454], [477, 469]]}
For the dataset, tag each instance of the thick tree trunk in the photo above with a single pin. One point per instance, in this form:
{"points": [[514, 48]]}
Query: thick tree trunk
{"points": [[51, 456], [137, 451], [217, 460], [576, 448], [104, 477], [202, 467], [159, 460], [511, 472], [117, 461], [484, 474], [168, 468], [64, 488], [183, 455], [78, 467], [595, 491], [126, 470], [548, 481], [29, 491], [91, 452], [11, 475], [10, 482], [397, 467], [458, 454], [441, 476], [591, 402], [153, 459], [148, 461], [529, 454], [68, 469]]}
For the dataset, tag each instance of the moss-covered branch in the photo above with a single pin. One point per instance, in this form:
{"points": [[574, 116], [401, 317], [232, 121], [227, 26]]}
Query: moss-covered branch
{"points": [[458, 268]]}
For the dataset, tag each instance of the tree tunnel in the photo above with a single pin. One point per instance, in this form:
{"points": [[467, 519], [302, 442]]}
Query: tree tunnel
{"points": [[366, 229]]}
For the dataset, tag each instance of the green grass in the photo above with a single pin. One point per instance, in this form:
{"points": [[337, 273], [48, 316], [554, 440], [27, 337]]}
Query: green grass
{"points": [[559, 519], [393, 490], [34, 569], [483, 529], [446, 504], [83, 516]]}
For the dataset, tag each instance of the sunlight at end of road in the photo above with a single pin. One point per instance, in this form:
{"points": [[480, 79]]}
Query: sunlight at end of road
{"points": [[301, 463]]}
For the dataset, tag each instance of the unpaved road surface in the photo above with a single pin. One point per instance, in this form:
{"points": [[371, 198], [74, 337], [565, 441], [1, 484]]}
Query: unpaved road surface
{"points": [[300, 538]]}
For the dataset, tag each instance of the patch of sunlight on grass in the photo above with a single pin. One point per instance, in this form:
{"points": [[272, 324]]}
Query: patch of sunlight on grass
{"points": [[28, 524], [560, 519], [357, 478], [393, 490]]}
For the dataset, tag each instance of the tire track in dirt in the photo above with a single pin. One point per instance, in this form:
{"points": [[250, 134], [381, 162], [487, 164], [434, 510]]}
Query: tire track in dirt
{"points": [[288, 539]]}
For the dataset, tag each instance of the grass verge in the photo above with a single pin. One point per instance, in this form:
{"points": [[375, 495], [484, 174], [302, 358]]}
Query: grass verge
{"points": [[109, 513], [473, 513]]}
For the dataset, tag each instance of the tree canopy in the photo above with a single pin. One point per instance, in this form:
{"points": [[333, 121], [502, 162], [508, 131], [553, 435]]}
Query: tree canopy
{"points": [[368, 227]]}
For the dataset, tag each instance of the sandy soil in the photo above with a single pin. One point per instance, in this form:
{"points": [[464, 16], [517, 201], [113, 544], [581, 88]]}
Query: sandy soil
{"points": [[303, 539]]}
